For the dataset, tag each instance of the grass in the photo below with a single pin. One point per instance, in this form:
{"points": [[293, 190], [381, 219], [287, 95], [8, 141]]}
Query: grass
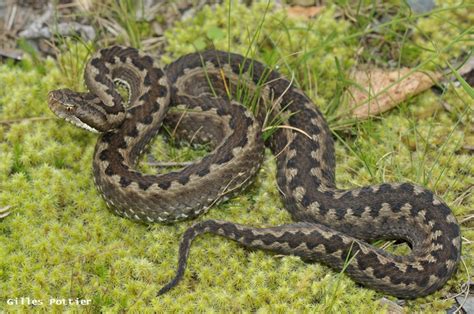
{"points": [[61, 241]]}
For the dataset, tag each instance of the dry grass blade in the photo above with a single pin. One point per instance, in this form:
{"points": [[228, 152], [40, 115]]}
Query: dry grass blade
{"points": [[378, 90], [4, 212], [466, 219], [13, 121], [290, 128], [84, 5]]}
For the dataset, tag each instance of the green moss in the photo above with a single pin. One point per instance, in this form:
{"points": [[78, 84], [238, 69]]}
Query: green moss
{"points": [[438, 35], [61, 241]]}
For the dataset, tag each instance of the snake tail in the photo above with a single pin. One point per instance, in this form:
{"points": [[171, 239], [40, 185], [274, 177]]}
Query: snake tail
{"points": [[313, 242]]}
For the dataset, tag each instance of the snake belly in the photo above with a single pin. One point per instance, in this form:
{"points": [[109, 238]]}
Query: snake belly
{"points": [[332, 226]]}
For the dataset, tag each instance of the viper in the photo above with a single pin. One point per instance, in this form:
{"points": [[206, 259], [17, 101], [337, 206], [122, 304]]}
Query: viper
{"points": [[198, 96]]}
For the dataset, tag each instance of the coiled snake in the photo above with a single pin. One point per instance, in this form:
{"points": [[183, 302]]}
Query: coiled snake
{"points": [[333, 226]]}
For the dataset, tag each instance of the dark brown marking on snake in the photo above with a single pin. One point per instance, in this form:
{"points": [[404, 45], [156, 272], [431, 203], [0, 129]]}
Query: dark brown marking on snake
{"points": [[109, 171], [133, 132], [164, 185], [153, 76], [203, 172], [142, 64], [183, 180], [146, 120], [145, 98], [144, 184], [124, 182], [224, 159], [104, 70], [103, 155], [123, 59]]}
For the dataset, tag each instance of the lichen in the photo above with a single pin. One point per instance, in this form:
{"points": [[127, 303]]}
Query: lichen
{"points": [[61, 241]]}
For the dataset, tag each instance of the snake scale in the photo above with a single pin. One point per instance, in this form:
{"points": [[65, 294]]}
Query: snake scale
{"points": [[197, 95]]}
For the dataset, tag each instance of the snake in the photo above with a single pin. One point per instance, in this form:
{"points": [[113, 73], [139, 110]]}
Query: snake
{"points": [[199, 96]]}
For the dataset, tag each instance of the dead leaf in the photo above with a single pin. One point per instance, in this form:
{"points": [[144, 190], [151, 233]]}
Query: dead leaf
{"points": [[377, 90], [467, 71], [84, 5], [303, 12]]}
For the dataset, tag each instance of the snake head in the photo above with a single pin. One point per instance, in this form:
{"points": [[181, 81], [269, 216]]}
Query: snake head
{"points": [[84, 110]]}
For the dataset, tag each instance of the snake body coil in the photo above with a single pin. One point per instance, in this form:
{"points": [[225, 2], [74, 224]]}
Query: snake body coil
{"points": [[333, 226]]}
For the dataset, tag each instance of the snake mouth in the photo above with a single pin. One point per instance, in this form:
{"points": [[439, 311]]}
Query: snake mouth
{"points": [[74, 120]]}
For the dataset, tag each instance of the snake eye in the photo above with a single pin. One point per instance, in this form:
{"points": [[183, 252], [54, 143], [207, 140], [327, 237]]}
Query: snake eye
{"points": [[69, 108]]}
